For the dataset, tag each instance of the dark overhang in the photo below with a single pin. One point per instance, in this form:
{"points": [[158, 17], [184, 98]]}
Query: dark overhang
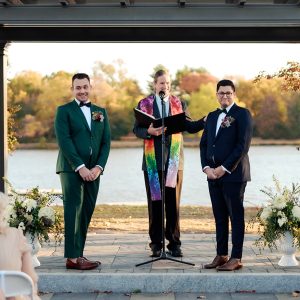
{"points": [[147, 21]]}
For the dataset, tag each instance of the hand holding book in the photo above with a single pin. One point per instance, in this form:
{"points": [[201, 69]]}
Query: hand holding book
{"points": [[173, 124], [155, 131]]}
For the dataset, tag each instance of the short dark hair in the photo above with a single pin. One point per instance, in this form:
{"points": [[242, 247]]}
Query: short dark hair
{"points": [[160, 73], [80, 76], [225, 82]]}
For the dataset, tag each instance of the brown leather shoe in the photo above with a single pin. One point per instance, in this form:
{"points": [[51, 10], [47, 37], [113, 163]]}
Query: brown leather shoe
{"points": [[92, 261], [81, 264], [219, 260], [231, 265]]}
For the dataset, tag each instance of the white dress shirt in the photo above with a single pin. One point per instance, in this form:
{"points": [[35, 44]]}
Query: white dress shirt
{"points": [[86, 111], [221, 118]]}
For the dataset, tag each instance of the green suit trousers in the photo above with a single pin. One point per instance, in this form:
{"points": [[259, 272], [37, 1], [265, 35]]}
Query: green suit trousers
{"points": [[79, 204]]}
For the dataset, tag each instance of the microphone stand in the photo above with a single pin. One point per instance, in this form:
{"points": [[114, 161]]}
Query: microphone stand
{"points": [[164, 255]]}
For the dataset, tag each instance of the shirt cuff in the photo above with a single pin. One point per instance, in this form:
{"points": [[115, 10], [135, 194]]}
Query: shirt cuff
{"points": [[206, 167], [100, 168], [79, 167], [224, 169]]}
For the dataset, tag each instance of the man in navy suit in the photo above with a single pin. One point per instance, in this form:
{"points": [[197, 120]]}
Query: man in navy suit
{"points": [[224, 157]]}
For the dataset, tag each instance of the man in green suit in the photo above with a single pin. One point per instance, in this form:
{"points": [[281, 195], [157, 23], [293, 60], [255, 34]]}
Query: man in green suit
{"points": [[83, 136]]}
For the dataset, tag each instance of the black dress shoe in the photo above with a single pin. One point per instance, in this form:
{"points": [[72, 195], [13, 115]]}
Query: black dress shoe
{"points": [[156, 250], [176, 251]]}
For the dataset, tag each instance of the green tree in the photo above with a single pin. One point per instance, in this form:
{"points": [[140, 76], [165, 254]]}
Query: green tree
{"points": [[203, 101]]}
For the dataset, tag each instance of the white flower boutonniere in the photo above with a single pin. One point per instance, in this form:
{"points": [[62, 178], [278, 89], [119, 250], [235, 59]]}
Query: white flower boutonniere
{"points": [[227, 121], [97, 116]]}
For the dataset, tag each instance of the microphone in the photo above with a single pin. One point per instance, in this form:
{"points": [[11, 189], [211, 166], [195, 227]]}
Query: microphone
{"points": [[161, 95]]}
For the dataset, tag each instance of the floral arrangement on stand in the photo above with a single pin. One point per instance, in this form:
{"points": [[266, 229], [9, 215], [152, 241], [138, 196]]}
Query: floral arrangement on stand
{"points": [[32, 212], [280, 215]]}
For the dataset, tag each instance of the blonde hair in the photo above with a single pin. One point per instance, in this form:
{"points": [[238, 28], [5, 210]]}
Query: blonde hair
{"points": [[3, 205]]}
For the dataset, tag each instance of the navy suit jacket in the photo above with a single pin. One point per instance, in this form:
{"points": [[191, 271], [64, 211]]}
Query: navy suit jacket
{"points": [[230, 146]]}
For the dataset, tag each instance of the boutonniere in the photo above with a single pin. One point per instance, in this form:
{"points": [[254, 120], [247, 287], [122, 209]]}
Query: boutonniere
{"points": [[97, 116], [227, 121]]}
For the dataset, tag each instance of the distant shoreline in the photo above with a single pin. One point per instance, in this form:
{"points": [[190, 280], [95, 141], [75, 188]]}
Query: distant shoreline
{"points": [[137, 143]]}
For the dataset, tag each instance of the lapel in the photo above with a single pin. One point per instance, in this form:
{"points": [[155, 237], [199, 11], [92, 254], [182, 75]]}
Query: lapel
{"points": [[76, 109], [93, 108], [214, 121]]}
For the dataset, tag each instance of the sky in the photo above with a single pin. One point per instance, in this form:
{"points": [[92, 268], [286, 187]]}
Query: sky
{"points": [[219, 59]]}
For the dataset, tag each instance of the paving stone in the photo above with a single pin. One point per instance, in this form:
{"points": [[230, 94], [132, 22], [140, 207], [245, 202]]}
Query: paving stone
{"points": [[119, 254], [218, 296], [253, 296], [46, 296], [74, 296], [169, 296], [113, 296]]}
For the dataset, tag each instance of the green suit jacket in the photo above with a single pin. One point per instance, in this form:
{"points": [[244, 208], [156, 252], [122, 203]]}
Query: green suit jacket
{"points": [[78, 144]]}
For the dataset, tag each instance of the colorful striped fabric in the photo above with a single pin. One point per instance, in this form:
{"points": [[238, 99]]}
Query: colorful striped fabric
{"points": [[146, 105]]}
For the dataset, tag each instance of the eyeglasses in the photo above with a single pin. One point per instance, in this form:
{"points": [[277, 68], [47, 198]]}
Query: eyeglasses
{"points": [[227, 94]]}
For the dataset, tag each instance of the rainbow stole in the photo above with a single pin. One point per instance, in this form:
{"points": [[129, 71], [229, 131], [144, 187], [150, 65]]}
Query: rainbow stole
{"points": [[146, 105]]}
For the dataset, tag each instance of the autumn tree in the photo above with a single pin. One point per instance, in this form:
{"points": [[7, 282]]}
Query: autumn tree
{"points": [[268, 105], [12, 139], [118, 93], [23, 92], [290, 75], [56, 91], [192, 82]]}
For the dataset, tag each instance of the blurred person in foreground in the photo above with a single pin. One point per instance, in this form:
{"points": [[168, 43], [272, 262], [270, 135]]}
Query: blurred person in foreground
{"points": [[15, 251], [224, 150], [152, 164], [83, 135]]}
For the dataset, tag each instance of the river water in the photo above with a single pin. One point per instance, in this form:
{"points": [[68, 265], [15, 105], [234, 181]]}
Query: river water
{"points": [[123, 180]]}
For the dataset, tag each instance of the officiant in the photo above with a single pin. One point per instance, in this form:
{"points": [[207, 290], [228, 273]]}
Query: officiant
{"points": [[152, 163]]}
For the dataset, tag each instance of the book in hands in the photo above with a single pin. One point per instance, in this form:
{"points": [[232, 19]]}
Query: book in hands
{"points": [[174, 124]]}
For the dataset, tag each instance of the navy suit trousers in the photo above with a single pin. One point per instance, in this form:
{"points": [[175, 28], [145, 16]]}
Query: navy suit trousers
{"points": [[227, 202]]}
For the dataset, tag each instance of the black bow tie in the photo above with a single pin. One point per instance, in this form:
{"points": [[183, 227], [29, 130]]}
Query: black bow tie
{"points": [[222, 111], [88, 104]]}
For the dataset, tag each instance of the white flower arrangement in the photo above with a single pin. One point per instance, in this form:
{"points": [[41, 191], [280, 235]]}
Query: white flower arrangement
{"points": [[33, 214], [281, 214]]}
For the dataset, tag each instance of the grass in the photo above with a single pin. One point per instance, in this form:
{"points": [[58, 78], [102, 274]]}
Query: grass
{"points": [[134, 218]]}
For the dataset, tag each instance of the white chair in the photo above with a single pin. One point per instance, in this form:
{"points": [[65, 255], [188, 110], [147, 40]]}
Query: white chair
{"points": [[14, 283]]}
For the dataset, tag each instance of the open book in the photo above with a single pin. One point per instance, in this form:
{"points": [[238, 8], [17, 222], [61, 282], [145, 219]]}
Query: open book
{"points": [[173, 124]]}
